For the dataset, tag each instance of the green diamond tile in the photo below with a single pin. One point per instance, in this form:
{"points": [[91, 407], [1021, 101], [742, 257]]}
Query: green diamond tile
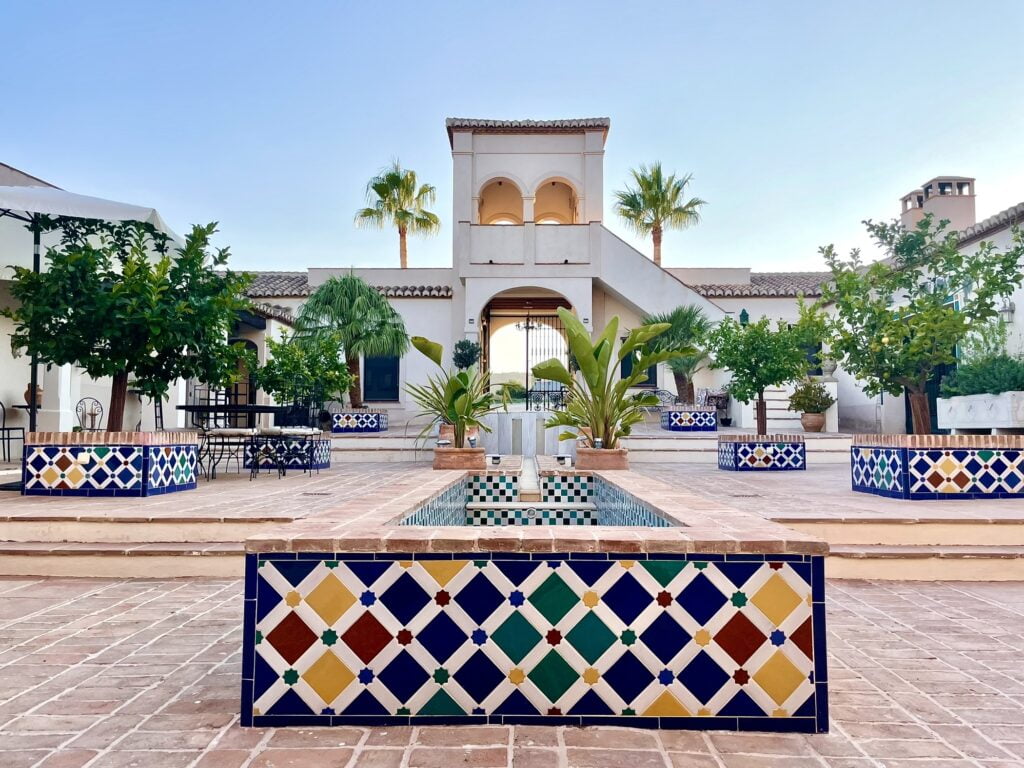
{"points": [[663, 570], [516, 637], [553, 676], [590, 637], [553, 598]]}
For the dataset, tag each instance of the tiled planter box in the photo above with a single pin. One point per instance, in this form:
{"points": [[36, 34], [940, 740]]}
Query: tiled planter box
{"points": [[934, 467], [108, 463], [753, 453], [359, 421], [292, 446], [695, 419]]}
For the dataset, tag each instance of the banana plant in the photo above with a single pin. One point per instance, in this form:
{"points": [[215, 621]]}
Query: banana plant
{"points": [[599, 405], [461, 398]]}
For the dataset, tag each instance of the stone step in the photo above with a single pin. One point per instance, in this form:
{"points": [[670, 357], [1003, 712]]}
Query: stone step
{"points": [[224, 559], [926, 563], [930, 531]]}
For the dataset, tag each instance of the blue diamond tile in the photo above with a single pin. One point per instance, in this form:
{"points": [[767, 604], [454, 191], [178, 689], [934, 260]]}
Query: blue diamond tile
{"points": [[441, 637], [665, 638], [701, 599], [478, 676], [405, 598], [703, 677], [627, 598], [403, 676], [628, 676], [479, 598]]}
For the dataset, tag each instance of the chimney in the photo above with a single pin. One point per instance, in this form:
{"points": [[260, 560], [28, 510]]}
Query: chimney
{"points": [[945, 197]]}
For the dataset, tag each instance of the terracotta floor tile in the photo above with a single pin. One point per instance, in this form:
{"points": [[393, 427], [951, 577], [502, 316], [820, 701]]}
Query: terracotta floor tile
{"points": [[446, 757], [302, 758]]}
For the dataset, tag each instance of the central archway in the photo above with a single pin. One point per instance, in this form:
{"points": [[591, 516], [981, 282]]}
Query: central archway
{"points": [[520, 328]]}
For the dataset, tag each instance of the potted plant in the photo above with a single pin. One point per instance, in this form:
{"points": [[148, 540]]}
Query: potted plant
{"points": [[599, 407], [304, 371], [811, 400], [459, 399]]}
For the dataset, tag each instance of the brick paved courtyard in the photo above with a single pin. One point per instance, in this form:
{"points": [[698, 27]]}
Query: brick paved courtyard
{"points": [[113, 673]]}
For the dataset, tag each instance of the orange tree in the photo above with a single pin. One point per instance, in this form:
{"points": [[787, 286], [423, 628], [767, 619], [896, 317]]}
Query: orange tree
{"points": [[115, 301], [898, 319]]}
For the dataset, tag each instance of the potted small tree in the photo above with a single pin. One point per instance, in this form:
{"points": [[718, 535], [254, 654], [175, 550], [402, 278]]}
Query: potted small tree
{"points": [[599, 407], [459, 399], [810, 399]]}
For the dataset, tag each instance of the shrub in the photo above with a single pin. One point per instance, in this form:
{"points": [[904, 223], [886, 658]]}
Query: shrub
{"points": [[465, 354], [991, 375], [811, 397]]}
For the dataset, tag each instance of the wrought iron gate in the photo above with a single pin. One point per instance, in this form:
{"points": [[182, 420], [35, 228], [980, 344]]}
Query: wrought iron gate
{"points": [[545, 338]]}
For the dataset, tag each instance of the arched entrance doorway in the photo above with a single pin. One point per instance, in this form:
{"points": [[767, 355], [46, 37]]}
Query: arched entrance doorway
{"points": [[520, 328]]}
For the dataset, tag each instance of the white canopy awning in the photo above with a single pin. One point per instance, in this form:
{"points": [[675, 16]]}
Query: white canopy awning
{"points": [[26, 201]]}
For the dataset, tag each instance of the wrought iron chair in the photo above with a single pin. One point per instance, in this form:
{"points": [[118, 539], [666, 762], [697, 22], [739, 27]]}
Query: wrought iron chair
{"points": [[89, 412], [7, 434]]}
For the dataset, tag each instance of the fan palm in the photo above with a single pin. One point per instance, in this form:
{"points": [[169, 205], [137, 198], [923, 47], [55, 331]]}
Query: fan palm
{"points": [[394, 198], [688, 328], [361, 320], [656, 203]]}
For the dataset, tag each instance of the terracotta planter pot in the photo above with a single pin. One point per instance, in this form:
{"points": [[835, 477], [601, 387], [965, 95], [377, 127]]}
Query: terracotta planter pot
{"points": [[459, 458], [812, 422], [39, 395], [447, 432], [602, 458]]}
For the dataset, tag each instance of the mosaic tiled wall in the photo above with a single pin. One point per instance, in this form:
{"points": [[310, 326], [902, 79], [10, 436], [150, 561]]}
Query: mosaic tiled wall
{"points": [[108, 470], [937, 473], [731, 642], [293, 448], [531, 514], [571, 488], [359, 421], [689, 421], [616, 507], [493, 487], [761, 455], [448, 508]]}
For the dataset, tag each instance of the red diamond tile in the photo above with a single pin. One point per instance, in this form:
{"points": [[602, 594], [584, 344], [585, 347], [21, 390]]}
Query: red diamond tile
{"points": [[291, 638], [367, 637], [740, 638]]}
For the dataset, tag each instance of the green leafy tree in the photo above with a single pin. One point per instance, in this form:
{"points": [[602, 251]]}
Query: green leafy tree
{"points": [[599, 404], [758, 357], [898, 319], [115, 302], [298, 368], [657, 202], [465, 354], [394, 198], [688, 327], [359, 320]]}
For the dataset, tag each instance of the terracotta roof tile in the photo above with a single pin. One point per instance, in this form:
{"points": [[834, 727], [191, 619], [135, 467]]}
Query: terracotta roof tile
{"points": [[268, 285], [1014, 215], [769, 284]]}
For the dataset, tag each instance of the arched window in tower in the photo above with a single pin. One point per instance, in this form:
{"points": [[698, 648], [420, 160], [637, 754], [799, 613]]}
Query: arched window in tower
{"points": [[555, 203], [501, 202]]}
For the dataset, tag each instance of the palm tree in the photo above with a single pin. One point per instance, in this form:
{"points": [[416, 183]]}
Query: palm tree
{"points": [[356, 314], [394, 198], [689, 328], [657, 202]]}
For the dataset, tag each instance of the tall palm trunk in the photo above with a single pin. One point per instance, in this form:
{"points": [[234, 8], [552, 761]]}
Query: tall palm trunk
{"points": [[684, 387], [355, 390], [403, 252], [118, 397], [656, 234]]}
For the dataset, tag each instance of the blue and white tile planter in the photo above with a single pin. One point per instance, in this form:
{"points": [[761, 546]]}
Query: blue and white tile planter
{"points": [[109, 463], [695, 419], [938, 467], [753, 453], [294, 448], [359, 421]]}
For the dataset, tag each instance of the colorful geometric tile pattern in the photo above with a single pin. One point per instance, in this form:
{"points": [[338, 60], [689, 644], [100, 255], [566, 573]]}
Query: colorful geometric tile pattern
{"points": [[679, 641], [107, 470], [447, 508], [689, 421], [497, 487], [293, 448], [359, 421], [616, 507], [527, 514], [937, 473], [761, 455], [572, 488]]}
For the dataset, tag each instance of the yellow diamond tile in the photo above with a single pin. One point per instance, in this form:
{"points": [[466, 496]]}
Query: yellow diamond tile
{"points": [[328, 676], [330, 599], [75, 475], [666, 705], [948, 465], [443, 571], [776, 599], [778, 677], [50, 475]]}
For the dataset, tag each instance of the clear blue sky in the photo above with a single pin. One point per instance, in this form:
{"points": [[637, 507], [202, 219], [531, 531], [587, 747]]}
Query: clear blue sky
{"points": [[797, 119]]}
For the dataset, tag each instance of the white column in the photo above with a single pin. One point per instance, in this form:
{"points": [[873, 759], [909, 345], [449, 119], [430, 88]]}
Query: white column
{"points": [[60, 395]]}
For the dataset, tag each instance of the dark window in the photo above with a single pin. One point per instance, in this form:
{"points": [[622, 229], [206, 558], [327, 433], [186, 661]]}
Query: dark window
{"points": [[380, 378], [626, 369]]}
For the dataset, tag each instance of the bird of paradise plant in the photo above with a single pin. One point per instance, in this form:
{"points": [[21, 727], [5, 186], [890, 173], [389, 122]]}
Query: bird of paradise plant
{"points": [[599, 406]]}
